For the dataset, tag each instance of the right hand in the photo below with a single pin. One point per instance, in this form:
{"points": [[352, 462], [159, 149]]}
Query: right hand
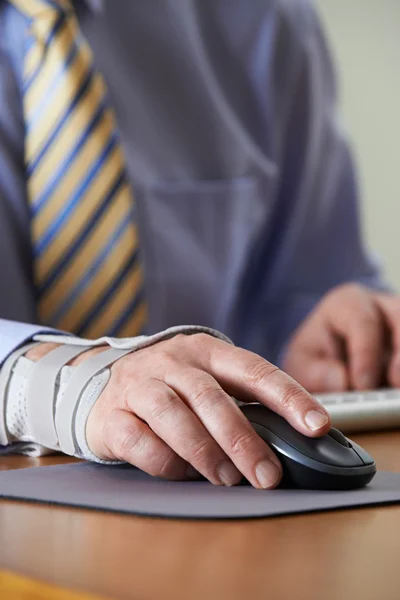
{"points": [[167, 409]]}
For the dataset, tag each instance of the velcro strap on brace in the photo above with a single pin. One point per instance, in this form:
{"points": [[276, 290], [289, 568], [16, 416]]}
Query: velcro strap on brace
{"points": [[51, 424], [42, 393], [5, 376], [69, 403]]}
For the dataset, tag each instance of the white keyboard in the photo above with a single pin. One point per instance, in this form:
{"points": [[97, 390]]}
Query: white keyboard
{"points": [[363, 411]]}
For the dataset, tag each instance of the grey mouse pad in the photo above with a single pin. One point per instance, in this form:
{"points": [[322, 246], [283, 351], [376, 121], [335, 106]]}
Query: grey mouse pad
{"points": [[125, 489]]}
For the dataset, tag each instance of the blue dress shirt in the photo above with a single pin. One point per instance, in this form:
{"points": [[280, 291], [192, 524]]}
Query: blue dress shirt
{"points": [[247, 200]]}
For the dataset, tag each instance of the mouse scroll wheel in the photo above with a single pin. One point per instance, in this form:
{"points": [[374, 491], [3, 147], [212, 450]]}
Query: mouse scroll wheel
{"points": [[339, 437]]}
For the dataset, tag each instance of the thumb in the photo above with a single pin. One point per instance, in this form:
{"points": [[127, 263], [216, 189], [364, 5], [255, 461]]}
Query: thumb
{"points": [[319, 375]]}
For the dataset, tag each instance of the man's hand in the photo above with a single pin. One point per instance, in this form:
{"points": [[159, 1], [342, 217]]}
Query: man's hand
{"points": [[167, 409], [350, 341]]}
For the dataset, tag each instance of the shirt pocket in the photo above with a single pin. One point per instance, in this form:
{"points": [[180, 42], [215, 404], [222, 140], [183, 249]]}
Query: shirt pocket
{"points": [[198, 237]]}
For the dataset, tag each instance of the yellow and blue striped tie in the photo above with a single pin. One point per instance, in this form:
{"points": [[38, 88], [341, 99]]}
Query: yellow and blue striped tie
{"points": [[84, 237]]}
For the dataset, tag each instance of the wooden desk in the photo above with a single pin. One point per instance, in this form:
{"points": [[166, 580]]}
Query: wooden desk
{"points": [[346, 555]]}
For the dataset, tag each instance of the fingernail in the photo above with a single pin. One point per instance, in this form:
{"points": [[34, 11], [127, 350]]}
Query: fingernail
{"points": [[267, 473], [334, 380], [192, 474], [228, 474], [315, 420]]}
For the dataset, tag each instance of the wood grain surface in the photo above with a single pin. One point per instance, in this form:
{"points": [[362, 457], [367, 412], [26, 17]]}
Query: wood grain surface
{"points": [[349, 554]]}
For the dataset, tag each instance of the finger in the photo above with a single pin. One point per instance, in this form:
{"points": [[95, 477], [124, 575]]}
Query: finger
{"points": [[364, 342], [390, 306], [132, 441], [176, 424], [247, 376], [360, 324], [393, 368], [393, 371], [222, 418], [314, 358], [320, 375]]}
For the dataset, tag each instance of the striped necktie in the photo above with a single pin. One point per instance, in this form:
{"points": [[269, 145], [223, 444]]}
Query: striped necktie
{"points": [[84, 238]]}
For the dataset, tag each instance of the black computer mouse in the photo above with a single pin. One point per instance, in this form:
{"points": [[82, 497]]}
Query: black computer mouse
{"points": [[330, 462]]}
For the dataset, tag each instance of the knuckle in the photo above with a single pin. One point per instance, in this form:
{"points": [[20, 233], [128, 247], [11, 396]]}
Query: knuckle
{"points": [[168, 467], [169, 357], [166, 353], [351, 288], [205, 456], [161, 406], [241, 443], [181, 350], [184, 348], [169, 347], [207, 397], [348, 290], [126, 440], [203, 345], [196, 339], [178, 339], [292, 397], [202, 339], [200, 453], [258, 373]]}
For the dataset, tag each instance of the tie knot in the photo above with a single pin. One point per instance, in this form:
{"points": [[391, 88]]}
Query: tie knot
{"points": [[35, 9]]}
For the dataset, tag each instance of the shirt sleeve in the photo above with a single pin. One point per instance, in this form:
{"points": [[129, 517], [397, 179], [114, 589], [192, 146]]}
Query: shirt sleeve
{"points": [[14, 334], [319, 242]]}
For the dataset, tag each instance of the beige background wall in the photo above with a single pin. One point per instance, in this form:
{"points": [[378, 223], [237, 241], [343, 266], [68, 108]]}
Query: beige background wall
{"points": [[365, 38]]}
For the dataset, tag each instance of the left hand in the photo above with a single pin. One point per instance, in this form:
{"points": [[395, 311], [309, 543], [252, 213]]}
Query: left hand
{"points": [[350, 341]]}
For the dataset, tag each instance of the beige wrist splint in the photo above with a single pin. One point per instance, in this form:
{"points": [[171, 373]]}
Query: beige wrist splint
{"points": [[57, 398]]}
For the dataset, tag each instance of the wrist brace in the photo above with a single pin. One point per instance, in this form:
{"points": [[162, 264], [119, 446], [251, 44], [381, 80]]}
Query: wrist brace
{"points": [[52, 401]]}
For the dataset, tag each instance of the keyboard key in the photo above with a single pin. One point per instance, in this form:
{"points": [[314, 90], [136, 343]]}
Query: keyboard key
{"points": [[363, 411]]}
